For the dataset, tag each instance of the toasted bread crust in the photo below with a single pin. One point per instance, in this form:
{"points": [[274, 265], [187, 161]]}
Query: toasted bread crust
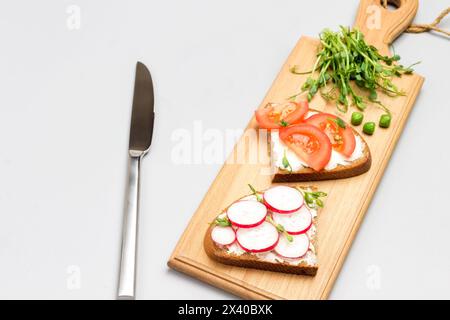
{"points": [[355, 168]]}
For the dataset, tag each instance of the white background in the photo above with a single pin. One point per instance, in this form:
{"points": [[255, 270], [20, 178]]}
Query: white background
{"points": [[65, 98]]}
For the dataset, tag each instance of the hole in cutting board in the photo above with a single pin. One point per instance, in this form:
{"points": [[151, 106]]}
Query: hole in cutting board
{"points": [[392, 5]]}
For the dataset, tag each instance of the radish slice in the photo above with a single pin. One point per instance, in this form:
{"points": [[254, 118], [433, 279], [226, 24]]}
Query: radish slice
{"points": [[223, 235], [247, 213], [258, 239], [295, 249], [294, 223], [283, 199]]}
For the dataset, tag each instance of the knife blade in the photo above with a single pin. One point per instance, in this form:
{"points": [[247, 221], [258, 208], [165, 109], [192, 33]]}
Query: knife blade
{"points": [[141, 132], [142, 116]]}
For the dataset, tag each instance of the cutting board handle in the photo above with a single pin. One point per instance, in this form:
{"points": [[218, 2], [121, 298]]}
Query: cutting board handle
{"points": [[382, 25]]}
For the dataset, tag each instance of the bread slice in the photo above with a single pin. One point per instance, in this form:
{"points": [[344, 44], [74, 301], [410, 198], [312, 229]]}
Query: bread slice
{"points": [[344, 170], [236, 256]]}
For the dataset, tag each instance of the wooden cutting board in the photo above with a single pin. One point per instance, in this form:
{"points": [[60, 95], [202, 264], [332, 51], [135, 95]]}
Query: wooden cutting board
{"points": [[347, 200]]}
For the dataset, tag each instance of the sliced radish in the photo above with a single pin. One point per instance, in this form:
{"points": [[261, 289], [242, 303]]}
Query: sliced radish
{"points": [[247, 213], [295, 249], [283, 199], [294, 223], [223, 235], [258, 239]]}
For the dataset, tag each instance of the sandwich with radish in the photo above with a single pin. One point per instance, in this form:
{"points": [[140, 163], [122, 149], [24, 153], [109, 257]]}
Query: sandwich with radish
{"points": [[272, 230], [308, 145]]}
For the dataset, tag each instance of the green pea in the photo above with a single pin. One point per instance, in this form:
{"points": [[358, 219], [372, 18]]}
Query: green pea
{"points": [[357, 118], [385, 121], [369, 128]]}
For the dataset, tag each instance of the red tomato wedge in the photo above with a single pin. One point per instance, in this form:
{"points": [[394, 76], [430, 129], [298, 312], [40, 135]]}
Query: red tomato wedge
{"points": [[309, 143], [278, 115], [342, 140]]}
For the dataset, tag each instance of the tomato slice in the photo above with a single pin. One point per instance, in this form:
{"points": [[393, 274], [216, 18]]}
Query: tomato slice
{"points": [[342, 140], [298, 111], [309, 143], [278, 115]]}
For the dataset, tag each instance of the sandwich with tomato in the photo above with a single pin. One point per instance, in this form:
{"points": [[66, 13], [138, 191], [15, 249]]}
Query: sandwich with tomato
{"points": [[308, 145]]}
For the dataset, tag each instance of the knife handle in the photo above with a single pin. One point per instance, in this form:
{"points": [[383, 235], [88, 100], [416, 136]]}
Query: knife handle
{"points": [[127, 274]]}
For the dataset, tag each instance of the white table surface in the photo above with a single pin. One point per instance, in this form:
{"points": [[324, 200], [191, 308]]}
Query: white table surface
{"points": [[65, 103]]}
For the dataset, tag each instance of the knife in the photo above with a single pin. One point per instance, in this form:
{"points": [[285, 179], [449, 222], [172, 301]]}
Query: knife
{"points": [[141, 131]]}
